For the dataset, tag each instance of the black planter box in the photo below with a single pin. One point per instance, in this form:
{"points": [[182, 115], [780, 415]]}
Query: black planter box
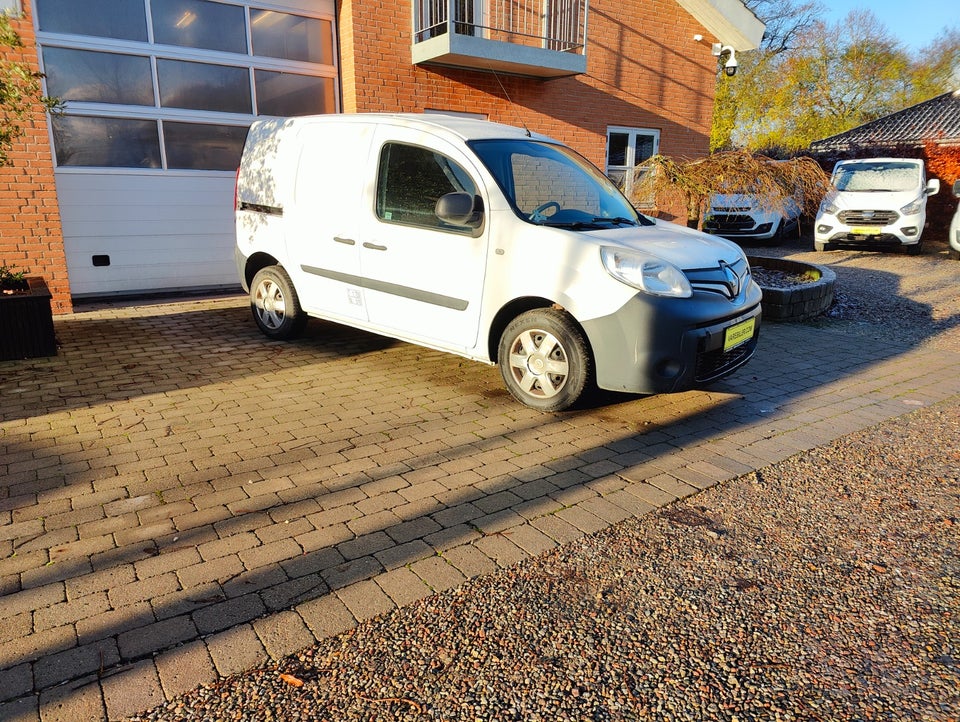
{"points": [[26, 323]]}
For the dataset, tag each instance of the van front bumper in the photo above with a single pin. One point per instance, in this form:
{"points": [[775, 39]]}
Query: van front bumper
{"points": [[906, 231], [660, 345]]}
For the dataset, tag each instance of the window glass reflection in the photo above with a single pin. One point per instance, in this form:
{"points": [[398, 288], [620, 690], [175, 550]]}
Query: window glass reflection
{"points": [[197, 146], [288, 94], [291, 37], [106, 142], [88, 76], [617, 149], [123, 19], [199, 24], [200, 86]]}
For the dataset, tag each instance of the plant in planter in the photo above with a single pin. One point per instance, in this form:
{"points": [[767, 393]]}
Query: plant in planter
{"points": [[26, 320], [12, 281]]}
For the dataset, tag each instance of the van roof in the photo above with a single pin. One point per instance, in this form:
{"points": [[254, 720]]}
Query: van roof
{"points": [[912, 161], [467, 128]]}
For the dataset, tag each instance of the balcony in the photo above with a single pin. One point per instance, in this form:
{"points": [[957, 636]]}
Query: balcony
{"points": [[537, 38]]}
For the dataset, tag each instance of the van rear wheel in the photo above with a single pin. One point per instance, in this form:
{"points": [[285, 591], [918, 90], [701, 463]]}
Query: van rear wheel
{"points": [[544, 360], [275, 306]]}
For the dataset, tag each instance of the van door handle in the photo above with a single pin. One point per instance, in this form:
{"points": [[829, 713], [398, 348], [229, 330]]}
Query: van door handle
{"points": [[374, 246], [345, 241]]}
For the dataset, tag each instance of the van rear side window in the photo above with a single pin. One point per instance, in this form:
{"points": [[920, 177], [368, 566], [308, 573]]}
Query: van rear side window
{"points": [[411, 180]]}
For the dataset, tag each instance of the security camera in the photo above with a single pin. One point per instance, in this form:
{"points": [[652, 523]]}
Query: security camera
{"points": [[728, 56], [730, 65]]}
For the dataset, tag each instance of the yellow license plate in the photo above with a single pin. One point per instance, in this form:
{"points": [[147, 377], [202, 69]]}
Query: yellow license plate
{"points": [[864, 231], [738, 334]]}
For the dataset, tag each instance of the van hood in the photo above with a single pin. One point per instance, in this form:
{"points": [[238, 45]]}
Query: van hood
{"points": [[872, 200], [684, 247]]}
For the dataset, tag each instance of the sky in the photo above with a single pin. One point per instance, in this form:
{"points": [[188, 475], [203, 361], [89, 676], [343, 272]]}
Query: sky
{"points": [[916, 23]]}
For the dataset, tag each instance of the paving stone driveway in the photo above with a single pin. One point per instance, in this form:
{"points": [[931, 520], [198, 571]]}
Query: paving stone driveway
{"points": [[183, 499]]}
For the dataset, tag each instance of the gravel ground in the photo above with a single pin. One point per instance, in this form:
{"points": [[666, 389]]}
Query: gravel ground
{"points": [[825, 587], [906, 299]]}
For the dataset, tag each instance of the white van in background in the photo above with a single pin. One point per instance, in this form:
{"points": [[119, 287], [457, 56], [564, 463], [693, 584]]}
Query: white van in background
{"points": [[954, 238], [875, 202], [489, 242]]}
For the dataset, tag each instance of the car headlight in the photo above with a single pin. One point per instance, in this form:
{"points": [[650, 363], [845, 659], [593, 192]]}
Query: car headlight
{"points": [[911, 209], [645, 272], [829, 209]]}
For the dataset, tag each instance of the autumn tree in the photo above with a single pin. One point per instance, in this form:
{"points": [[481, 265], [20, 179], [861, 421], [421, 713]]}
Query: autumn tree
{"points": [[691, 183], [744, 95], [20, 90], [812, 79]]}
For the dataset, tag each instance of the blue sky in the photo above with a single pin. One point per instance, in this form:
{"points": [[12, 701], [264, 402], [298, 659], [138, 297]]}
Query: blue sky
{"points": [[915, 23]]}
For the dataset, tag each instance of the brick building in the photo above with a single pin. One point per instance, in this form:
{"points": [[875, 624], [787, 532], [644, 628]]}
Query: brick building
{"points": [[130, 190]]}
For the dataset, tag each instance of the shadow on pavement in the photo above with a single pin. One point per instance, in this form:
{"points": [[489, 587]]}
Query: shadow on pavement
{"points": [[172, 474]]}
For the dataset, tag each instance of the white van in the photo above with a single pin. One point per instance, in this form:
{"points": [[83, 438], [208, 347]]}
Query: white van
{"points": [[954, 238], [489, 242], [875, 202]]}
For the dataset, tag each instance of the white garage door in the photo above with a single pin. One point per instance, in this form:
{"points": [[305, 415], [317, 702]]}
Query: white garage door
{"points": [[159, 95]]}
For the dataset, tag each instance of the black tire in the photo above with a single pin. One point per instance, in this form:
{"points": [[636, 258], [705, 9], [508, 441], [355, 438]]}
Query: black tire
{"points": [[915, 250], [275, 306], [820, 246], [545, 360], [954, 254]]}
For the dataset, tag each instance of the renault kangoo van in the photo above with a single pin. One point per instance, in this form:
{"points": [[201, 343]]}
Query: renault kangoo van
{"points": [[489, 242]]}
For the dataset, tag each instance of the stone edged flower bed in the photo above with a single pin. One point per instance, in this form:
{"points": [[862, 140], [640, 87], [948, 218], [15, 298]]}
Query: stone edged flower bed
{"points": [[26, 322], [793, 291]]}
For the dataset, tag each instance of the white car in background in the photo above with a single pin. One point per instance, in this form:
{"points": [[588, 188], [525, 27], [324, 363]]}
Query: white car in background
{"points": [[738, 216]]}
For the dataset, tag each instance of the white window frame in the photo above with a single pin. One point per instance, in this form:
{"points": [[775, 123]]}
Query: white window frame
{"points": [[629, 168]]}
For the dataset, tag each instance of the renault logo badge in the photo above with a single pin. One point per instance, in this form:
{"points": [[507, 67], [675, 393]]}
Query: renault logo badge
{"points": [[731, 279]]}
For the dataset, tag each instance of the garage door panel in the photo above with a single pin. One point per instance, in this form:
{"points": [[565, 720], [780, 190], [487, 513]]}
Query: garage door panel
{"points": [[120, 229], [148, 239]]}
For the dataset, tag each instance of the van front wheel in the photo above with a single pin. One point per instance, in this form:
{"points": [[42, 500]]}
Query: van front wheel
{"points": [[544, 360], [275, 305]]}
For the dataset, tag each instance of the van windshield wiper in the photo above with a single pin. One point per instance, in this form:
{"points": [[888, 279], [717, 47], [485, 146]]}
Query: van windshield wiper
{"points": [[593, 223], [617, 220]]}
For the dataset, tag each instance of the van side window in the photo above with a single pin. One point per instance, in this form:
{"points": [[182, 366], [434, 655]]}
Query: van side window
{"points": [[411, 180]]}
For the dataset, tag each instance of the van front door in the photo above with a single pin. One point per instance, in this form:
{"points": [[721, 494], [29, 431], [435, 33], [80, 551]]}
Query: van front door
{"points": [[423, 278]]}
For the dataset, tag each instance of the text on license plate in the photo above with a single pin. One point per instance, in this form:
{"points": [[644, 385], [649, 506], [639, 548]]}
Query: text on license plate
{"points": [[737, 334], [865, 231]]}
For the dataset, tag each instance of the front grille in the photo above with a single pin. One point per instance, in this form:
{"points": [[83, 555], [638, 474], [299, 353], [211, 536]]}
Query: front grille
{"points": [[712, 365], [868, 218], [729, 280], [732, 222]]}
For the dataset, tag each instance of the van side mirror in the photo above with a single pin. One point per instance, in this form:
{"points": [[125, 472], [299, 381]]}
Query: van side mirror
{"points": [[460, 209], [933, 186], [956, 188]]}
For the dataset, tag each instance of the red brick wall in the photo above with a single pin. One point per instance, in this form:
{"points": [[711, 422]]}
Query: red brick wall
{"points": [[644, 69], [31, 238]]}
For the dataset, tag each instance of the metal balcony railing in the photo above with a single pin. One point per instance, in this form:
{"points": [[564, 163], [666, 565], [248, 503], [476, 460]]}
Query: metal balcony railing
{"points": [[557, 25]]}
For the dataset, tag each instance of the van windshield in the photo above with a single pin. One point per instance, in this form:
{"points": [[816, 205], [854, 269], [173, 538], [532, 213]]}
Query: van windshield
{"points": [[867, 177], [552, 185]]}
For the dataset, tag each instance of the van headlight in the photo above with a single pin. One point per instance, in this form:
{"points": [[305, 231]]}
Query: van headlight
{"points": [[911, 209], [645, 272]]}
